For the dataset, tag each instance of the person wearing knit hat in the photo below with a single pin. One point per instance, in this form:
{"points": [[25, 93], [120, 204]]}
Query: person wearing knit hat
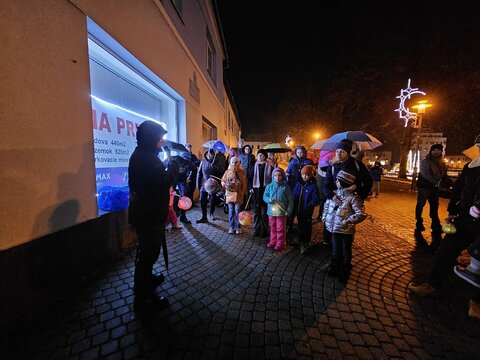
{"points": [[306, 197], [343, 161], [464, 196], [432, 171], [278, 197], [234, 181], [294, 175], [340, 216]]}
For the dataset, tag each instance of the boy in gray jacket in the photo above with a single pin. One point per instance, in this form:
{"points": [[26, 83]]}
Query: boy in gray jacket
{"points": [[340, 216]]}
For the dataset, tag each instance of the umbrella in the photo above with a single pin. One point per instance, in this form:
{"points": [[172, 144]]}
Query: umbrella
{"points": [[275, 148], [364, 140], [216, 145], [472, 152], [174, 146], [325, 157]]}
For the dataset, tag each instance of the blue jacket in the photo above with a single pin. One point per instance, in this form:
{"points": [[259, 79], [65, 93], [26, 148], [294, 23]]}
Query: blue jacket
{"points": [[306, 197], [293, 170], [278, 194]]}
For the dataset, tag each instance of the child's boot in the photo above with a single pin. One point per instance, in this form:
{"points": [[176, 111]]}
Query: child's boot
{"points": [[344, 272], [333, 268]]}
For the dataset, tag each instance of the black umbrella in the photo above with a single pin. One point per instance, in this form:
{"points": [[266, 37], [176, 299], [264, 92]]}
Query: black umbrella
{"points": [[174, 146]]}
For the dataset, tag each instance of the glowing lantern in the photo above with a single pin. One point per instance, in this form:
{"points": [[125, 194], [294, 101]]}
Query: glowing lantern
{"points": [[245, 218], [184, 203], [211, 186], [449, 229]]}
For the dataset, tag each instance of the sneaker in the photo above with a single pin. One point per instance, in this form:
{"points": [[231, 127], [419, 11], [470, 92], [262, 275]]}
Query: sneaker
{"points": [[231, 231], [176, 227], [467, 275], [424, 289], [202, 221], [278, 248], [239, 231], [474, 310], [271, 245]]}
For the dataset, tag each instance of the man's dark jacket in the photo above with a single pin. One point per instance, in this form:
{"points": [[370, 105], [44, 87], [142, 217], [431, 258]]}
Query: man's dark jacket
{"points": [[148, 179]]}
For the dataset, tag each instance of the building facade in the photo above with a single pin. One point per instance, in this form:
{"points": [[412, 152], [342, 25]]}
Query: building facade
{"points": [[78, 77], [426, 139]]}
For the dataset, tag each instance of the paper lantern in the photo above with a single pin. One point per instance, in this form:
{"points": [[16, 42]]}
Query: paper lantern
{"points": [[184, 203], [245, 218], [211, 186], [449, 229]]}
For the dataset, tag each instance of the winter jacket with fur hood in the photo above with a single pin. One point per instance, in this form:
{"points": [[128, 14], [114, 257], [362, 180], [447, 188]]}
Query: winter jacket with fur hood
{"points": [[343, 212]]}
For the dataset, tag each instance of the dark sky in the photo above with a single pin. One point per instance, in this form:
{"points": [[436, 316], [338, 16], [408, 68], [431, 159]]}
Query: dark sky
{"points": [[340, 65]]}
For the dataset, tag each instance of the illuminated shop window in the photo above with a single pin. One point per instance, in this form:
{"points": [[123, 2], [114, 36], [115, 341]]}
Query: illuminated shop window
{"points": [[122, 98]]}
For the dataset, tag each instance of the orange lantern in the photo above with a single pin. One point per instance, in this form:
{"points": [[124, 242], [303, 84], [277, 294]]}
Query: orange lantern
{"points": [[245, 218]]}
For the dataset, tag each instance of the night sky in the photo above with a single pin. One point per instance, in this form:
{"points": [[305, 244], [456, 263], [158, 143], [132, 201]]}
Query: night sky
{"points": [[295, 68]]}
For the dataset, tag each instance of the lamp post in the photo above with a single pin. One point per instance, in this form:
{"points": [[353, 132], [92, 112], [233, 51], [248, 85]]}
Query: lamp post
{"points": [[421, 107]]}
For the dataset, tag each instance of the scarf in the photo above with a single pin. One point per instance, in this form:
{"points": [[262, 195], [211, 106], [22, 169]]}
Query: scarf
{"points": [[267, 174]]}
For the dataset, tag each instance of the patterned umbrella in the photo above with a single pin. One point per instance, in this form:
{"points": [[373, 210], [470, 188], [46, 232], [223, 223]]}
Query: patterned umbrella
{"points": [[364, 140]]}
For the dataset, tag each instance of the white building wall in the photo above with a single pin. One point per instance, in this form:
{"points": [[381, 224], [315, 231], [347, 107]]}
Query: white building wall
{"points": [[48, 174]]}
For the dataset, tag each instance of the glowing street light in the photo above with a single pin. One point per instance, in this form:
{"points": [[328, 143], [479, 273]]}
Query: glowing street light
{"points": [[421, 109], [316, 136]]}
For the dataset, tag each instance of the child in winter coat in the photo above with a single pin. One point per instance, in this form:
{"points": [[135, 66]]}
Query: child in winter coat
{"points": [[341, 213], [279, 198], [172, 216], [306, 197], [235, 183]]}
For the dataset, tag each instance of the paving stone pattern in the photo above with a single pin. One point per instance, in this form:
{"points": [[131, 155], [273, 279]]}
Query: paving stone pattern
{"points": [[232, 298]]}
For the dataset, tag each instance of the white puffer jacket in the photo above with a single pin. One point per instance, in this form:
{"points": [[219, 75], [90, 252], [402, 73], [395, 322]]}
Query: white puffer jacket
{"points": [[343, 211]]}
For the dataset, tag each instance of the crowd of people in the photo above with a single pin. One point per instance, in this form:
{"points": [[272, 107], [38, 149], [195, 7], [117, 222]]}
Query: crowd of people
{"points": [[283, 202]]}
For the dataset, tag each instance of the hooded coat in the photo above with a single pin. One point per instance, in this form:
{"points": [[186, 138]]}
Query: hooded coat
{"points": [[295, 167], [341, 215], [148, 179], [206, 169], [248, 164]]}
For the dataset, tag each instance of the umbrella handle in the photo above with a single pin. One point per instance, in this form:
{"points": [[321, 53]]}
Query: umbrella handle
{"points": [[215, 177]]}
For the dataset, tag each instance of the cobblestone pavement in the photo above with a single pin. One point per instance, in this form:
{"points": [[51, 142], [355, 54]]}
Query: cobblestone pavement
{"points": [[233, 298]]}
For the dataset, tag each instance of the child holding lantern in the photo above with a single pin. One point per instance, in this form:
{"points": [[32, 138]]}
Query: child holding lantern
{"points": [[279, 198], [235, 183], [172, 216]]}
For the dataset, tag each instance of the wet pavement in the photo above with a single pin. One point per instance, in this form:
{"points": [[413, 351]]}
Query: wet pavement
{"points": [[232, 298]]}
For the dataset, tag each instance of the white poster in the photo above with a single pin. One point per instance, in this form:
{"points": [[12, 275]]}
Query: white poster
{"points": [[114, 139]]}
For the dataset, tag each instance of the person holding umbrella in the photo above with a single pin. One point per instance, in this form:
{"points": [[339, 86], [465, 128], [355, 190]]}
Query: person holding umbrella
{"points": [[343, 161], [149, 183]]}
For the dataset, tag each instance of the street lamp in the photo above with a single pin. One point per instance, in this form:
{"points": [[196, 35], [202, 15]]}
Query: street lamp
{"points": [[421, 108], [316, 136]]}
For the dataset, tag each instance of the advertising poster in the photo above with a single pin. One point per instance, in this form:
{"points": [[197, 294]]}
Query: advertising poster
{"points": [[114, 140]]}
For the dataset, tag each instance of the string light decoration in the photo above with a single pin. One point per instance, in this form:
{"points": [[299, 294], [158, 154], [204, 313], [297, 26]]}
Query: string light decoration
{"points": [[404, 112]]}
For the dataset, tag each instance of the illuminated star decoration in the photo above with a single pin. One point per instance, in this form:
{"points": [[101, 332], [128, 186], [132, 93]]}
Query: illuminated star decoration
{"points": [[288, 139], [403, 112]]}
